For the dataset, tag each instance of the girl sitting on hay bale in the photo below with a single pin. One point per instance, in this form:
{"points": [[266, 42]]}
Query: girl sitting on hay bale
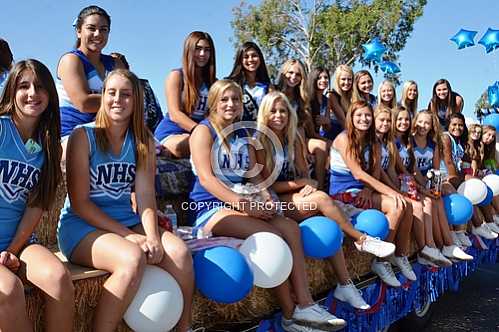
{"points": [[295, 187], [30, 155], [98, 227], [224, 212]]}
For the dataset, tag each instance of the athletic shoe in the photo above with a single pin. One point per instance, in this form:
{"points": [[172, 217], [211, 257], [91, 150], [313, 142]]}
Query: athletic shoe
{"points": [[385, 272], [405, 267], [455, 239], [464, 239], [429, 253], [441, 260], [375, 246], [455, 252], [290, 326], [493, 227], [496, 219], [349, 293], [318, 317], [423, 261], [484, 231]]}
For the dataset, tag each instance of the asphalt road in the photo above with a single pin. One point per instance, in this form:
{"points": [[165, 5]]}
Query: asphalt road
{"points": [[475, 307]]}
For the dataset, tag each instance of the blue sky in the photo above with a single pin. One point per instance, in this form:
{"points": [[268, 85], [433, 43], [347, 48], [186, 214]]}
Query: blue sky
{"points": [[151, 33]]}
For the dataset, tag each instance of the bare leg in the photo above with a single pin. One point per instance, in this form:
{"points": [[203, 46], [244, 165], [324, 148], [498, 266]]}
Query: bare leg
{"points": [[318, 148], [393, 214], [178, 145], [339, 267], [125, 261], [444, 224], [403, 237], [13, 316], [47, 272], [418, 226], [428, 204]]}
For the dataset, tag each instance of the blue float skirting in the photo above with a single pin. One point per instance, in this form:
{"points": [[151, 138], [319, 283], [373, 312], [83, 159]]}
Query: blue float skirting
{"points": [[391, 304]]}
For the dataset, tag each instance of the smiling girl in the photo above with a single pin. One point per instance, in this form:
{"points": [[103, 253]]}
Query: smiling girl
{"points": [[386, 95], [341, 95], [445, 102], [362, 87], [186, 91], [409, 99]]}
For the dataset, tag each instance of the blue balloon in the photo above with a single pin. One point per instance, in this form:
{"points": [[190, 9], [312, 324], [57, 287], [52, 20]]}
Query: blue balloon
{"points": [[493, 95], [222, 274], [389, 67], [490, 40], [371, 222], [458, 209], [492, 120], [373, 50], [488, 198], [321, 237], [464, 38]]}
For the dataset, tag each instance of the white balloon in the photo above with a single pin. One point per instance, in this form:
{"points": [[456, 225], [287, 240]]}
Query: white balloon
{"points": [[492, 180], [158, 304], [473, 189], [269, 257]]}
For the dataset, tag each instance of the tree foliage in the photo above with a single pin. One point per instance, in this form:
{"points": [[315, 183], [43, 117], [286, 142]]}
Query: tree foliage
{"points": [[321, 32]]}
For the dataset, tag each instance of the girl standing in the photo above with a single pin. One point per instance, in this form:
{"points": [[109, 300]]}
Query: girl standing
{"points": [[445, 102], [30, 155], [341, 95], [409, 99], [387, 95], [362, 87], [186, 91], [98, 227]]}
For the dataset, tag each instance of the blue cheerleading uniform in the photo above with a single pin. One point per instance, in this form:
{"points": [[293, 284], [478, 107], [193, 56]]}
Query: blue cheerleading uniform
{"points": [[424, 156], [336, 128], [403, 153], [457, 154], [167, 127], [111, 180], [70, 115], [229, 168], [287, 171], [341, 177], [19, 173], [385, 156], [252, 98]]}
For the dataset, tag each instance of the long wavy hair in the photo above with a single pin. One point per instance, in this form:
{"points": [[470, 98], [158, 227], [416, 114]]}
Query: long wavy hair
{"points": [[410, 105], [312, 89], [345, 97], [449, 103], [48, 129], [268, 103], [489, 150], [393, 103], [357, 143], [140, 132], [356, 94], [405, 137], [435, 131], [193, 76], [387, 138], [238, 73], [88, 11], [474, 149], [6, 57]]}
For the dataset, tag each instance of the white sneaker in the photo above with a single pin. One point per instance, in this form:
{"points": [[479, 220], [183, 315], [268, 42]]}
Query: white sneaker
{"points": [[484, 231], [385, 272], [375, 246], [441, 260], [405, 267], [290, 326], [493, 227], [423, 261], [455, 239], [318, 317], [496, 219], [455, 252], [349, 293], [464, 239]]}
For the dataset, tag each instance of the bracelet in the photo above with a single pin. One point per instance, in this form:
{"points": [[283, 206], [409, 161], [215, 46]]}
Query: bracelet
{"points": [[192, 129]]}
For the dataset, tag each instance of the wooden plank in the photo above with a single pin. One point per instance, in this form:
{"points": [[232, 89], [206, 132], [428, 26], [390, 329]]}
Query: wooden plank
{"points": [[79, 272]]}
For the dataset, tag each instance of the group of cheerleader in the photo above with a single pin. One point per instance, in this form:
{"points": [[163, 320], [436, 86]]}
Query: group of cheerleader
{"points": [[341, 146]]}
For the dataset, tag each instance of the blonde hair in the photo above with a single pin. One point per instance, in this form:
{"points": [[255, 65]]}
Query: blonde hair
{"points": [[268, 103], [474, 149], [345, 97], [489, 150], [393, 102], [411, 106], [140, 132], [387, 138], [214, 95], [435, 131]]}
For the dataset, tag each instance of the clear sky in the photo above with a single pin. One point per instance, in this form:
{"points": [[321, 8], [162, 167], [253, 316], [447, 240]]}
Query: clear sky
{"points": [[151, 32]]}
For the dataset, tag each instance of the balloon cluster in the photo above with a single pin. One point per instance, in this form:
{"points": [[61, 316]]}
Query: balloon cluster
{"points": [[373, 51], [493, 94], [465, 38]]}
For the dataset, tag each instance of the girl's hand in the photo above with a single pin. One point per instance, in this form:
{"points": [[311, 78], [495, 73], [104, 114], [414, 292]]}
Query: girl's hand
{"points": [[307, 190], [140, 240], [255, 210], [155, 250], [363, 199], [400, 202], [308, 182], [9, 260]]}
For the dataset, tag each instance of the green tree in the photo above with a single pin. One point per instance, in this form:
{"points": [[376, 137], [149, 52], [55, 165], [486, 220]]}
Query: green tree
{"points": [[327, 33], [482, 106]]}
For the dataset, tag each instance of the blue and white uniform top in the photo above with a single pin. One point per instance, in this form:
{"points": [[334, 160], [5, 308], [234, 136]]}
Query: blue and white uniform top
{"points": [[70, 115], [19, 173], [111, 180], [385, 156], [167, 127], [403, 152], [424, 156], [3, 80], [230, 168], [252, 98], [457, 153], [287, 172], [341, 177]]}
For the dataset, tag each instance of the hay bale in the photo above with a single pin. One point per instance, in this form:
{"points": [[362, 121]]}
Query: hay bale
{"points": [[46, 230]]}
